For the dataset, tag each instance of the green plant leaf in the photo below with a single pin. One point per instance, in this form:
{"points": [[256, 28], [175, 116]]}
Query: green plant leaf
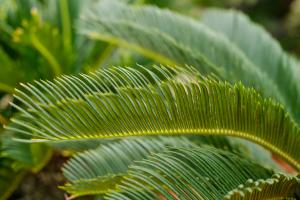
{"points": [[76, 108], [95, 186], [263, 51], [279, 186], [187, 173]]}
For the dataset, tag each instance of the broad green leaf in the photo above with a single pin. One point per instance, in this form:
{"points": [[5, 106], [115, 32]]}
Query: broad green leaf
{"points": [[187, 173], [279, 186], [82, 107], [263, 51]]}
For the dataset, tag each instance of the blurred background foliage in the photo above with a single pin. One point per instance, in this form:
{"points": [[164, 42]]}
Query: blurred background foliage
{"points": [[38, 40]]}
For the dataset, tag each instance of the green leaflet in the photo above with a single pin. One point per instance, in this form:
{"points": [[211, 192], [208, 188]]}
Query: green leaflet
{"points": [[186, 173], [98, 185], [263, 51], [171, 39], [81, 109], [279, 187]]}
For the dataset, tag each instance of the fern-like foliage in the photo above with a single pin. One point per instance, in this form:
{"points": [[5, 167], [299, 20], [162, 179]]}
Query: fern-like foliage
{"points": [[80, 108], [186, 173], [100, 170], [112, 104], [279, 187]]}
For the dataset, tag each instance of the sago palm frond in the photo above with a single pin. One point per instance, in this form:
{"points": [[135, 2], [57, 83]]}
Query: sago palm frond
{"points": [[264, 51], [83, 108], [169, 38], [279, 186], [187, 173], [99, 170]]}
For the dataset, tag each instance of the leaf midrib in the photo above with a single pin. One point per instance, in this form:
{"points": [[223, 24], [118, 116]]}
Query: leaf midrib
{"points": [[200, 131]]}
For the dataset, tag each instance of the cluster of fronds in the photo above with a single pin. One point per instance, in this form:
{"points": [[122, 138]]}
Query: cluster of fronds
{"points": [[160, 132]]}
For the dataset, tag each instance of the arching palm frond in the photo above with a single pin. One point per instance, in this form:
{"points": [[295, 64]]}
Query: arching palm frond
{"points": [[279, 186], [186, 173], [169, 38], [169, 107], [264, 51]]}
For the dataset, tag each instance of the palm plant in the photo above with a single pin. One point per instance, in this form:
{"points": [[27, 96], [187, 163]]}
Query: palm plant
{"points": [[164, 129], [37, 40]]}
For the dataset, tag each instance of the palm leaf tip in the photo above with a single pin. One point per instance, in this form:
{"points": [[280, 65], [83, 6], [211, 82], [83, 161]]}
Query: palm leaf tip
{"points": [[154, 105], [279, 186]]}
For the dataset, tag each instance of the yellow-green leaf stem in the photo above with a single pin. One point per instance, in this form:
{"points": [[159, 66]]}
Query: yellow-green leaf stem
{"points": [[66, 24], [46, 54]]}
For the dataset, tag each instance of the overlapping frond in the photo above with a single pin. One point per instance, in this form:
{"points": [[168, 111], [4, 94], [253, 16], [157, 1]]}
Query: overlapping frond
{"points": [[100, 170], [170, 38], [187, 173], [279, 186], [264, 51], [172, 107]]}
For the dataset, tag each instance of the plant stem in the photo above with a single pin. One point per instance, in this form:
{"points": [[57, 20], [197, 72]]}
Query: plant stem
{"points": [[104, 55], [66, 24], [46, 54]]}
